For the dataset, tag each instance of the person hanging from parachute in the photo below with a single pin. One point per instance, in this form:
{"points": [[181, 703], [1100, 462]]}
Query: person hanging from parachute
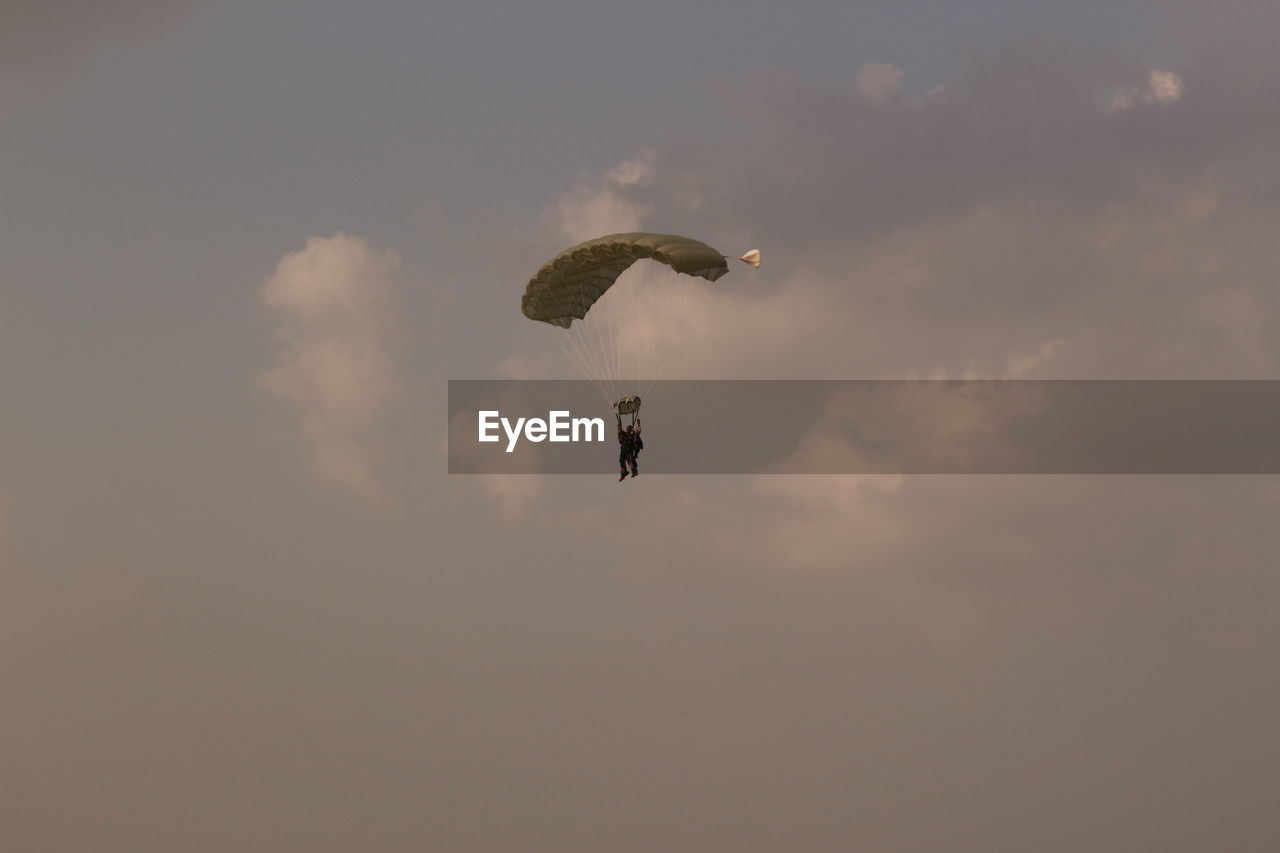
{"points": [[629, 446], [629, 441], [568, 285]]}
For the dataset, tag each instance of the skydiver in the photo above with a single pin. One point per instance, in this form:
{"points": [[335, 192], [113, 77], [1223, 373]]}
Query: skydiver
{"points": [[626, 451], [636, 446]]}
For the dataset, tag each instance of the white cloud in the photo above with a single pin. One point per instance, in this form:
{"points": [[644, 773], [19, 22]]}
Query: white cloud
{"points": [[335, 303], [600, 205], [877, 81], [637, 171], [1160, 87], [1165, 87]]}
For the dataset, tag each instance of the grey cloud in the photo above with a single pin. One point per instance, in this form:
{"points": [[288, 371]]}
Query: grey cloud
{"points": [[202, 653], [1088, 647], [42, 36], [1013, 209]]}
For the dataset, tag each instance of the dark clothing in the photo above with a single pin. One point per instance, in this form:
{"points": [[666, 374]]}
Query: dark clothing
{"points": [[628, 447]]}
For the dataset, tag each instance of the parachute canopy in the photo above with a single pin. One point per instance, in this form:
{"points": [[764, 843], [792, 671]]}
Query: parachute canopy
{"points": [[570, 283]]}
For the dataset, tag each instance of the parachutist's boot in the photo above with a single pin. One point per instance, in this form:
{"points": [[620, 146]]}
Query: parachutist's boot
{"points": [[623, 476]]}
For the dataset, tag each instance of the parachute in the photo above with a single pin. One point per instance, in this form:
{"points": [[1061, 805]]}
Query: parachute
{"points": [[570, 283], [616, 344]]}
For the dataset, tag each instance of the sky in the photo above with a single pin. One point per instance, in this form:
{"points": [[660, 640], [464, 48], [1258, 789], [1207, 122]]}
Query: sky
{"points": [[243, 247]]}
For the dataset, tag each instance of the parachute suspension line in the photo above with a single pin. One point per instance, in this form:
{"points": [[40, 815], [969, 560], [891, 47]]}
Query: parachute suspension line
{"points": [[574, 352], [602, 331], [615, 339], [624, 304], [632, 341], [647, 306], [578, 338], [583, 355], [637, 308], [656, 356], [650, 308], [587, 357], [600, 351], [625, 312], [657, 313], [615, 363], [654, 314]]}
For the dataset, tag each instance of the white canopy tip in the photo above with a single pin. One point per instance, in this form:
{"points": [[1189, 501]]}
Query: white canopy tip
{"points": [[752, 257]]}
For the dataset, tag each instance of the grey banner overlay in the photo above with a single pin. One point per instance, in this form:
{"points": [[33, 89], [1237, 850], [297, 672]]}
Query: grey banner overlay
{"points": [[889, 427]]}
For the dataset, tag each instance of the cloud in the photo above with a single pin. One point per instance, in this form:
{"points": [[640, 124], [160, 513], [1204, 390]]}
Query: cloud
{"points": [[876, 81], [335, 304], [514, 493], [41, 36], [600, 205], [1160, 87], [960, 233], [525, 366], [1002, 227]]}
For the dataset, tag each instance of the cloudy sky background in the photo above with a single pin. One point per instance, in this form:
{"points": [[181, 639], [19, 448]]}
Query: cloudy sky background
{"points": [[243, 608]]}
